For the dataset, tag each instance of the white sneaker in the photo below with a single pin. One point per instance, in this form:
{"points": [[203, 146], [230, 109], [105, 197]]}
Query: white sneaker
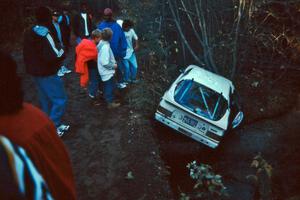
{"points": [[60, 73], [62, 129], [65, 70], [59, 132], [92, 96], [121, 85]]}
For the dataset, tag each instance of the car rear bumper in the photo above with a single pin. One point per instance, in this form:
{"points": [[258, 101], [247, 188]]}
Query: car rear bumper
{"points": [[200, 138]]}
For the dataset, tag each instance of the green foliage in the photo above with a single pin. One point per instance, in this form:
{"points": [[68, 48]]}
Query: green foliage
{"points": [[208, 185]]}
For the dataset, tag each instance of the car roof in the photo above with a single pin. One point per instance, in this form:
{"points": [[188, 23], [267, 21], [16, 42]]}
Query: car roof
{"points": [[211, 80]]}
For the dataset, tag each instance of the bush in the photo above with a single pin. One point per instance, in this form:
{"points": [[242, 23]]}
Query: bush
{"points": [[208, 186]]}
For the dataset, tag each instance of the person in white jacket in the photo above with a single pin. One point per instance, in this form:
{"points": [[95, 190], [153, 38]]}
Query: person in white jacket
{"points": [[107, 66]]}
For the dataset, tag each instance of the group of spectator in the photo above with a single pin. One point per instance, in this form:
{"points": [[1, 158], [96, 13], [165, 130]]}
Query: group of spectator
{"points": [[30, 149], [115, 54], [105, 57]]}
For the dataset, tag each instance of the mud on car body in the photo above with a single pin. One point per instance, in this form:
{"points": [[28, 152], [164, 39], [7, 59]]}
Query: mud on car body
{"points": [[201, 105]]}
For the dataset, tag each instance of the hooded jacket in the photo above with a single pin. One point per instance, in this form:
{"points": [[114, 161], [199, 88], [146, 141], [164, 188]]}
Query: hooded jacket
{"points": [[86, 50], [41, 55]]}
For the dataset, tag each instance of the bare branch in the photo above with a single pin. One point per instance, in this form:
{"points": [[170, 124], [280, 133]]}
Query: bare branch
{"points": [[182, 35]]}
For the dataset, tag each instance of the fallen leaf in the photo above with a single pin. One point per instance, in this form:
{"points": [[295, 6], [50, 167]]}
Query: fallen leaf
{"points": [[129, 176], [255, 84]]}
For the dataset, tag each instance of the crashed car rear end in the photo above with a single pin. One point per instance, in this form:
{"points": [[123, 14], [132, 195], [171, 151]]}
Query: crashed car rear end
{"points": [[200, 105]]}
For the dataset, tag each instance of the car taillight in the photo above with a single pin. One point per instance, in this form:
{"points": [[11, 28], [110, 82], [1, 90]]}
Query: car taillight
{"points": [[164, 111], [213, 136]]}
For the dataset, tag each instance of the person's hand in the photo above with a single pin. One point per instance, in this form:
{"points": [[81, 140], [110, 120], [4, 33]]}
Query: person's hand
{"points": [[61, 52], [115, 66]]}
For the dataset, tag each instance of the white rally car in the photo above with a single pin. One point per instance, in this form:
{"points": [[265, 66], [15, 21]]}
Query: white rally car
{"points": [[201, 105]]}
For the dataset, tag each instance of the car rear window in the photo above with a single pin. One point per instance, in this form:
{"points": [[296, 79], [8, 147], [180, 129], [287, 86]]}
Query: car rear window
{"points": [[200, 99]]}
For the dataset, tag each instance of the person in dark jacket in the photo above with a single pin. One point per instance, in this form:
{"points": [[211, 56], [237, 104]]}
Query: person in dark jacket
{"points": [[57, 31], [65, 21], [42, 60], [118, 42], [83, 25]]}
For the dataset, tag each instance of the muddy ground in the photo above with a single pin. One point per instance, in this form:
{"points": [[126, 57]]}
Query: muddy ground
{"points": [[125, 154]]}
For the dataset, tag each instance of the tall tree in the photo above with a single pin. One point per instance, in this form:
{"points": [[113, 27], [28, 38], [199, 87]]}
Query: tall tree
{"points": [[216, 27]]}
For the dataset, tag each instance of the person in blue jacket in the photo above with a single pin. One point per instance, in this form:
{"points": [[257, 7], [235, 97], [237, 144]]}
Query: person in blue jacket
{"points": [[118, 42]]}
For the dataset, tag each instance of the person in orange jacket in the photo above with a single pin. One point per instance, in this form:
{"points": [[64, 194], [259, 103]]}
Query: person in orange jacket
{"points": [[86, 63]]}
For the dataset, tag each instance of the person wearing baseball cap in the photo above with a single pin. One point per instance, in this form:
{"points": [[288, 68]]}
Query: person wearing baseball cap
{"points": [[118, 42], [57, 31], [107, 12]]}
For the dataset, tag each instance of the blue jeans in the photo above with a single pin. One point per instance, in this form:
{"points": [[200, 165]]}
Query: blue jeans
{"points": [[94, 80], [52, 97], [130, 68], [108, 90]]}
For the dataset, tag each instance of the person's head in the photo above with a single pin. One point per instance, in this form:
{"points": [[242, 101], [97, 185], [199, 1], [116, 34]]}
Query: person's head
{"points": [[43, 15], [55, 15], [108, 14], [96, 36], [127, 25], [106, 34], [65, 8], [83, 7], [11, 98]]}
